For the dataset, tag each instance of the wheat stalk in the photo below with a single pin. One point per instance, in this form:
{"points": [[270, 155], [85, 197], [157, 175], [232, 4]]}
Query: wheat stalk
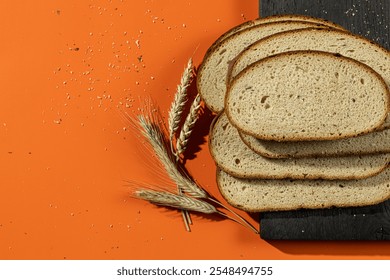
{"points": [[153, 131], [176, 201], [179, 101], [154, 134], [161, 197], [174, 117]]}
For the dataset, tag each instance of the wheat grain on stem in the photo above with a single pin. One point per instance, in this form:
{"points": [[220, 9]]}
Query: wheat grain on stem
{"points": [[188, 126], [179, 102], [176, 201]]}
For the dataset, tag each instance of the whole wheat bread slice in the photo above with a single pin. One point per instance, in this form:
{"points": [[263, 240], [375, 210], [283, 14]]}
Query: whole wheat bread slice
{"points": [[329, 40], [233, 156], [372, 143], [307, 95], [273, 195], [212, 74]]}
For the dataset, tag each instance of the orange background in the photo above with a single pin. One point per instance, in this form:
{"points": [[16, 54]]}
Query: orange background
{"points": [[67, 70]]}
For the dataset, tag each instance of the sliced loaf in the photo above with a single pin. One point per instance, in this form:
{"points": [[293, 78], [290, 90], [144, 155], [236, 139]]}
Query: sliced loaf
{"points": [[307, 95], [274, 195], [233, 156], [212, 74], [372, 143]]}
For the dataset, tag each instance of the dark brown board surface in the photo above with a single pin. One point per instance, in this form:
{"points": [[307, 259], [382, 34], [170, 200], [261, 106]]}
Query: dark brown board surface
{"points": [[369, 18]]}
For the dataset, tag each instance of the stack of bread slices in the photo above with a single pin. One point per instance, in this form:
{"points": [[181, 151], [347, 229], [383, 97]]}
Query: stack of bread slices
{"points": [[302, 115]]}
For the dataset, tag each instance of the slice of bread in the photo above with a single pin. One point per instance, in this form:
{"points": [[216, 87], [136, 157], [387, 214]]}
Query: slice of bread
{"points": [[307, 95], [212, 74], [329, 40], [274, 195], [233, 156], [372, 143]]}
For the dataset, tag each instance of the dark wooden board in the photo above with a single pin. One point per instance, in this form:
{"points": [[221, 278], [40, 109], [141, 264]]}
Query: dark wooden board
{"points": [[369, 18]]}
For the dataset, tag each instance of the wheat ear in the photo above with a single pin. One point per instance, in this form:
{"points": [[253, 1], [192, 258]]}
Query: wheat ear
{"points": [[185, 203], [179, 101], [155, 136], [176, 201], [188, 126]]}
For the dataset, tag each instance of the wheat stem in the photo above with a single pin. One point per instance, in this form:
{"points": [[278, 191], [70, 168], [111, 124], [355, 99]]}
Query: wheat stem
{"points": [[239, 219], [188, 217], [184, 213]]}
